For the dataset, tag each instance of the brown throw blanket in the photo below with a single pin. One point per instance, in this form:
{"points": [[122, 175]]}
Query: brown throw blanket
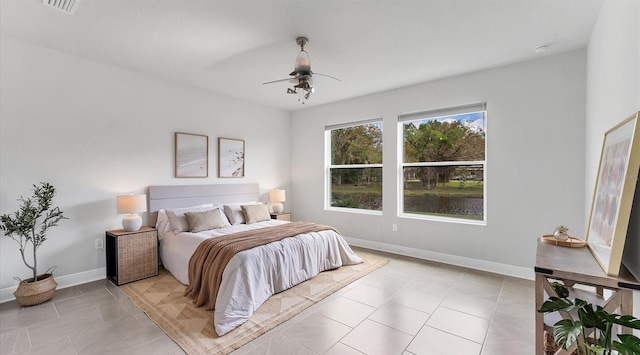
{"points": [[212, 255]]}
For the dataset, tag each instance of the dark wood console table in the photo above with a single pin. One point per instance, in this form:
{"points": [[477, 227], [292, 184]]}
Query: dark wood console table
{"points": [[576, 267]]}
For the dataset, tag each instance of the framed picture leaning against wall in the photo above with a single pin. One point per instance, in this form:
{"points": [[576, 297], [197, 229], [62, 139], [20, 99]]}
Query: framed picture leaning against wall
{"points": [[613, 196]]}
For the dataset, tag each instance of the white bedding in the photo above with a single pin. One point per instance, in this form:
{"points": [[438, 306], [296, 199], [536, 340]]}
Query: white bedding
{"points": [[254, 275]]}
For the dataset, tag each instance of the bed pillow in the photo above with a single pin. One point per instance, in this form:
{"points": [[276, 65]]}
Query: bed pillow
{"points": [[179, 222], [225, 220], [162, 224], [255, 213], [234, 212], [204, 221]]}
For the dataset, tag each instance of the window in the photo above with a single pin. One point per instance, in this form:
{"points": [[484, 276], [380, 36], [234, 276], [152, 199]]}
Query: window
{"points": [[354, 169], [443, 162]]}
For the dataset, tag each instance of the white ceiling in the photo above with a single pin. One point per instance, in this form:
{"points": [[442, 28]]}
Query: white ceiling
{"points": [[233, 46]]}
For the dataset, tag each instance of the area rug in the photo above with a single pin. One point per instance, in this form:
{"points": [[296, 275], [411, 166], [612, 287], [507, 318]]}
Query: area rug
{"points": [[161, 298]]}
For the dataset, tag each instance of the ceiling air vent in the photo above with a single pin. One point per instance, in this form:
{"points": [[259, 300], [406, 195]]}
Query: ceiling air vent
{"points": [[66, 6]]}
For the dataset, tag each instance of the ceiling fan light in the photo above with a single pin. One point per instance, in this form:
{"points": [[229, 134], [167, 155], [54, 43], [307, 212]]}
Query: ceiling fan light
{"points": [[303, 63], [291, 91]]}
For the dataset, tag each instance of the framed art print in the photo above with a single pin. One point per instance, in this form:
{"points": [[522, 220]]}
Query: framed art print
{"points": [[230, 158], [613, 195], [192, 155]]}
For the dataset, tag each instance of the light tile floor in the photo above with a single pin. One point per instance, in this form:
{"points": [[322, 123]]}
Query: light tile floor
{"points": [[409, 306]]}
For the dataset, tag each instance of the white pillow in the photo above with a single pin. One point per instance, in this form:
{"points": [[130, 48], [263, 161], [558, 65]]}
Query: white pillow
{"points": [[162, 224], [234, 212], [255, 213]]}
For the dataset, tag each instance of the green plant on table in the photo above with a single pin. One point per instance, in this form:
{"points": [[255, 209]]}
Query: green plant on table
{"points": [[32, 220], [592, 323]]}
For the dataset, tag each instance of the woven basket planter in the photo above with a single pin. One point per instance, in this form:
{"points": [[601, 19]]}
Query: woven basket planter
{"points": [[550, 347], [31, 293]]}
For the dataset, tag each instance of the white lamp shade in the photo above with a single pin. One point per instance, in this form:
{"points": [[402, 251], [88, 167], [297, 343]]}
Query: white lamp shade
{"points": [[277, 196], [132, 204]]}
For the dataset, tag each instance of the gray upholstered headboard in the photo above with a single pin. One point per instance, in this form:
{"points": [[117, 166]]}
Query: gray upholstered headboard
{"points": [[176, 196]]}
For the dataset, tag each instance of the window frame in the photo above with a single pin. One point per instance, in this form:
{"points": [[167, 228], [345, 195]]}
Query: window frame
{"points": [[328, 166], [432, 115]]}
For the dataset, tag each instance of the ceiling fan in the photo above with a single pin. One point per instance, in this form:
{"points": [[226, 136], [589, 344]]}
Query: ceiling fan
{"points": [[301, 74]]}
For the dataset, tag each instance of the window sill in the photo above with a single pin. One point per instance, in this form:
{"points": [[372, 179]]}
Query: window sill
{"points": [[354, 210], [443, 219]]}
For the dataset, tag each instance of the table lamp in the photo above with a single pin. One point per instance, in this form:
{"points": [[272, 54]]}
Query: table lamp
{"points": [[131, 205], [276, 197]]}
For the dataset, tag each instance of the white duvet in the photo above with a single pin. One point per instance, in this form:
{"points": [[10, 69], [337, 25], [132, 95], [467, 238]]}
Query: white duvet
{"points": [[254, 275]]}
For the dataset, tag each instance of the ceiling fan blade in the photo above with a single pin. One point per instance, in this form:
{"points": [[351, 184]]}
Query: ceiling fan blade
{"points": [[276, 81], [328, 76]]}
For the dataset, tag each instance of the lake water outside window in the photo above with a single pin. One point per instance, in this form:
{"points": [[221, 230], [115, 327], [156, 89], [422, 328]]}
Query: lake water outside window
{"points": [[443, 162], [354, 173]]}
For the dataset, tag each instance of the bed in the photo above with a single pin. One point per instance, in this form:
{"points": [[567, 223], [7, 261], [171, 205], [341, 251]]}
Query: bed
{"points": [[251, 276]]}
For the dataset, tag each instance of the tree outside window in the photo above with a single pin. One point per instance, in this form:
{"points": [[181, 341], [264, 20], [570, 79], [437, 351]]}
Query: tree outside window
{"points": [[443, 165], [355, 168]]}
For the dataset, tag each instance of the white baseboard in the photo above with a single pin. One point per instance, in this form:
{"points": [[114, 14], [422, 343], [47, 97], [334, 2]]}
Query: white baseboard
{"points": [[6, 294], [489, 266]]}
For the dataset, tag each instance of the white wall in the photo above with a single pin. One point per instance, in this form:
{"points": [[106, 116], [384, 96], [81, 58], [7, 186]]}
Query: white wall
{"points": [[613, 77], [96, 131], [613, 94], [535, 163]]}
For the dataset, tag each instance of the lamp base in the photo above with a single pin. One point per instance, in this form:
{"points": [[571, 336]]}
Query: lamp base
{"points": [[277, 207], [132, 222]]}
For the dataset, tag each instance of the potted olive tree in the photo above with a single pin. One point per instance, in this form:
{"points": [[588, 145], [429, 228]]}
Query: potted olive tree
{"points": [[29, 225]]}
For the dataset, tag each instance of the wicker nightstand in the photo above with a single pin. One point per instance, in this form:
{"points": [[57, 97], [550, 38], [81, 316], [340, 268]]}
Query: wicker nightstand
{"points": [[131, 256], [283, 216]]}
